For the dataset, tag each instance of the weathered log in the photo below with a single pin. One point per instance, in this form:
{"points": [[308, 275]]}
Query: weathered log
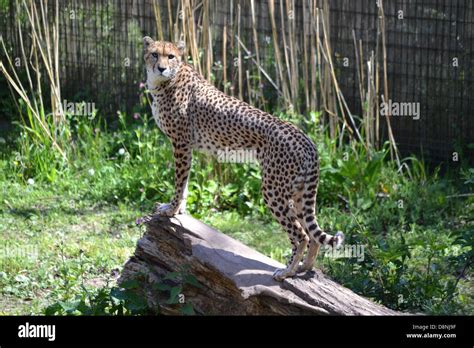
{"points": [[234, 279]]}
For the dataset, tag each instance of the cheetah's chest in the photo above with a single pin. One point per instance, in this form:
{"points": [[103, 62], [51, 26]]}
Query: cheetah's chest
{"points": [[171, 119], [156, 115]]}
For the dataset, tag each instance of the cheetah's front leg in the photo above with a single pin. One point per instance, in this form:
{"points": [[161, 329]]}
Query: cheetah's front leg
{"points": [[182, 166]]}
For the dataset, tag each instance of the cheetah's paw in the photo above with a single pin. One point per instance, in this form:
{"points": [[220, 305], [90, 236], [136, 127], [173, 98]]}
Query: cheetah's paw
{"points": [[282, 273], [304, 267]]}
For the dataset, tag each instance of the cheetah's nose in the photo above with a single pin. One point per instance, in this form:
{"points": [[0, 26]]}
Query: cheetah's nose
{"points": [[161, 69]]}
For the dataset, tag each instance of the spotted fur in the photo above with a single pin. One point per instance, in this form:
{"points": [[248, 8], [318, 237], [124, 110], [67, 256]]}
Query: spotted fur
{"points": [[196, 115]]}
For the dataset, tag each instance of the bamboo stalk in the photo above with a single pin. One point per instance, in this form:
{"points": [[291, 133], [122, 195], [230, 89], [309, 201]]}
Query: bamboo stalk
{"points": [[56, 55], [318, 58], [377, 105], [257, 85], [207, 39], [180, 15], [170, 20], [16, 86], [305, 57], [359, 70], [285, 46], [313, 61], [239, 55], [328, 102], [46, 56], [291, 13], [255, 38], [189, 29], [279, 66], [25, 62], [369, 98], [393, 144], [232, 47], [159, 24], [343, 105], [30, 106], [333, 121], [224, 55], [377, 88]]}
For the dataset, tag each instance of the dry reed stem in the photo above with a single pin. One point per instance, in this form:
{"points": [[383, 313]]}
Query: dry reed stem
{"points": [[255, 38], [279, 65], [258, 82], [41, 34], [343, 105], [239, 55], [170, 20], [290, 9], [46, 56], [207, 39], [305, 57], [26, 99], [159, 24], [285, 46], [359, 70], [324, 80], [224, 56], [231, 48], [314, 96], [393, 144]]}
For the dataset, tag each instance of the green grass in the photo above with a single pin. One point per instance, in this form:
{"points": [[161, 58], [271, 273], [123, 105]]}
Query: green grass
{"points": [[69, 244]]}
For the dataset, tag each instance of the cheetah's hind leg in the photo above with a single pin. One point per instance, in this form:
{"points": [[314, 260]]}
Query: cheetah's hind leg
{"points": [[311, 226], [282, 207], [294, 230], [308, 262]]}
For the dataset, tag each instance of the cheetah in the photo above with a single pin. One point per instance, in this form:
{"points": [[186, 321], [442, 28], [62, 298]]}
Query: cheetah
{"points": [[195, 115]]}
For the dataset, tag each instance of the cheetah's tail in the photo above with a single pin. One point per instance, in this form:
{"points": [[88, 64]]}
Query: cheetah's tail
{"points": [[325, 238], [338, 239]]}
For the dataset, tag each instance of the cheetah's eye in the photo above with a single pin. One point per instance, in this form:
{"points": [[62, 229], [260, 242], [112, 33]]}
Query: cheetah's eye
{"points": [[170, 56], [155, 55]]}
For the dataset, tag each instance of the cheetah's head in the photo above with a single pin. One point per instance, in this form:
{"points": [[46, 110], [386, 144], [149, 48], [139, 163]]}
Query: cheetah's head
{"points": [[162, 60]]}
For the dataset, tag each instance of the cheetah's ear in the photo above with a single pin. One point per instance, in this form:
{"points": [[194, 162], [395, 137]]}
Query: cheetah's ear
{"points": [[147, 41], [180, 45]]}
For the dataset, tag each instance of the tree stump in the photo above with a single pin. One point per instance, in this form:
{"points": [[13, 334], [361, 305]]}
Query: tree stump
{"points": [[233, 278]]}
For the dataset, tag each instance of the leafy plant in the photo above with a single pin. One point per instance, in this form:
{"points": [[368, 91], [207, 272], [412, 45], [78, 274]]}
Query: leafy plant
{"points": [[173, 284], [127, 299], [121, 300]]}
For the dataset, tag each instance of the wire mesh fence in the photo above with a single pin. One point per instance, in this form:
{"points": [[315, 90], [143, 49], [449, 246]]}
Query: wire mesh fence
{"points": [[429, 56], [430, 62]]}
